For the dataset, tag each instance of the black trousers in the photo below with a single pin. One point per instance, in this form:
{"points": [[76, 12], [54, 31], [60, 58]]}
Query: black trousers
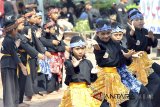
{"points": [[156, 97], [52, 84], [153, 83], [22, 84], [156, 68], [31, 80], [135, 100], [48, 85], [41, 82], [104, 104], [10, 87], [143, 99]]}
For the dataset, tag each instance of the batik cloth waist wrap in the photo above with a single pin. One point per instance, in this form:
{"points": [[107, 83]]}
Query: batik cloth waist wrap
{"points": [[129, 80], [141, 67], [52, 65], [79, 95], [109, 86]]}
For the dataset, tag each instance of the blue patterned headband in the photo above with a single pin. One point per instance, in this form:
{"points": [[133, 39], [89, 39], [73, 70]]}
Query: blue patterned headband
{"points": [[136, 16], [117, 29], [77, 44], [104, 28], [134, 10]]}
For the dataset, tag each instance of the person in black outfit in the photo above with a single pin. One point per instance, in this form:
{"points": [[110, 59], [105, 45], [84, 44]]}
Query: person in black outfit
{"points": [[140, 39], [93, 14], [67, 15], [25, 50], [111, 54], [121, 13], [9, 62], [78, 77]]}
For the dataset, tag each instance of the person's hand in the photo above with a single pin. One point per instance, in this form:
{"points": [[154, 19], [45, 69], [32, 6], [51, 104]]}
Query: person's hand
{"points": [[132, 28], [24, 70], [128, 54], [67, 48], [29, 35], [94, 70], [94, 44], [137, 55], [48, 54], [75, 62], [1, 54], [17, 42], [38, 33], [55, 42], [150, 35], [59, 37], [96, 47], [40, 56]]}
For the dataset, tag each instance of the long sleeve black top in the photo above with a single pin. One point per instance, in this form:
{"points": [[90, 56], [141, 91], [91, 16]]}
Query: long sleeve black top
{"points": [[81, 73], [115, 56], [47, 42], [9, 48], [139, 41]]}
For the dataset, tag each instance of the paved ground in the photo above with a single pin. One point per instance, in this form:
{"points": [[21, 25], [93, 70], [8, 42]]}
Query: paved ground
{"points": [[53, 99]]}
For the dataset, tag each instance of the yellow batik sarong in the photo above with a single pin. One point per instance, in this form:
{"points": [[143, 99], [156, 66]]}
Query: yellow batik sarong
{"points": [[109, 83], [141, 67], [78, 95]]}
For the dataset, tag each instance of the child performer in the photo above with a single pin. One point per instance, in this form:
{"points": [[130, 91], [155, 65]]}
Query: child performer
{"points": [[78, 77], [140, 67], [55, 63], [26, 51], [140, 39], [9, 63], [112, 61]]}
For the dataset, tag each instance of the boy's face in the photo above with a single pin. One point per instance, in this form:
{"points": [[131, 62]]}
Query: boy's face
{"points": [[14, 32], [104, 35], [79, 52], [33, 19], [54, 16], [52, 30], [39, 20], [20, 26], [138, 23], [117, 36]]}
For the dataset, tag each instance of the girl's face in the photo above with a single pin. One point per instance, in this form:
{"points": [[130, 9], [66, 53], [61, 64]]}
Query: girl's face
{"points": [[79, 52], [117, 36], [104, 35], [138, 23]]}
